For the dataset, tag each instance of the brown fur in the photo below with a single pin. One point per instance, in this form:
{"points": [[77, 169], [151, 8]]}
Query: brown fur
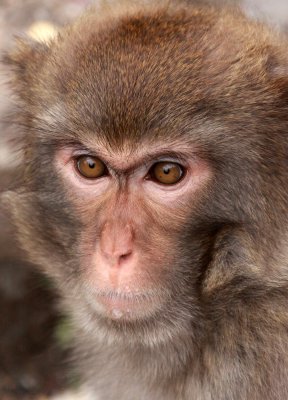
{"points": [[209, 80]]}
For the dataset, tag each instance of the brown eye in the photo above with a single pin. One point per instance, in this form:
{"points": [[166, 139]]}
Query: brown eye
{"points": [[90, 167], [167, 173]]}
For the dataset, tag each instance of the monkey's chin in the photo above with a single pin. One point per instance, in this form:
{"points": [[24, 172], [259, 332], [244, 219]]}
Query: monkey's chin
{"points": [[123, 306]]}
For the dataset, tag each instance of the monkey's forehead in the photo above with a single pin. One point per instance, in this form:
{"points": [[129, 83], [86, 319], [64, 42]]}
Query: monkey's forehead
{"points": [[113, 70], [162, 44]]}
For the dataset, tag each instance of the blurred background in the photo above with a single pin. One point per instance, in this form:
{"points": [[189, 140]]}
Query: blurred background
{"points": [[34, 339]]}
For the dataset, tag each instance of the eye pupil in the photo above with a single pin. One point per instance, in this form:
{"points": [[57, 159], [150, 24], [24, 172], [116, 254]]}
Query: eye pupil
{"points": [[166, 170]]}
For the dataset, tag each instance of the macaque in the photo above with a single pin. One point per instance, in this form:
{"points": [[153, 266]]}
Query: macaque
{"points": [[154, 194]]}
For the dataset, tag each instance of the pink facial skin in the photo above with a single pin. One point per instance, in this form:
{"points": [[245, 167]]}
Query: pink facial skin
{"points": [[123, 264]]}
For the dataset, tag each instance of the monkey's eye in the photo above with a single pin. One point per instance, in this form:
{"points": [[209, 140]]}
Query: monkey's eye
{"points": [[167, 173], [90, 167]]}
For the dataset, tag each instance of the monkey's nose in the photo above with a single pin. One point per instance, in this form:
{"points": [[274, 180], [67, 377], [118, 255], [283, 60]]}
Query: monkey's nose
{"points": [[116, 243]]}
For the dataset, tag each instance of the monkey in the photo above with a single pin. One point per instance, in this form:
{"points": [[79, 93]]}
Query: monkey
{"points": [[153, 192]]}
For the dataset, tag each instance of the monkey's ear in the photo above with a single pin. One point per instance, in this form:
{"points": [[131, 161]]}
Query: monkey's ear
{"points": [[25, 60]]}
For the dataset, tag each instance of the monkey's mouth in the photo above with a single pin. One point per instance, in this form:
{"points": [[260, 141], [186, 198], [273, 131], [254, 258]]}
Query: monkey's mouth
{"points": [[132, 305]]}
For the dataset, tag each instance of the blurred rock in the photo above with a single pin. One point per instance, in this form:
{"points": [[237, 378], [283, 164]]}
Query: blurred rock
{"points": [[274, 12]]}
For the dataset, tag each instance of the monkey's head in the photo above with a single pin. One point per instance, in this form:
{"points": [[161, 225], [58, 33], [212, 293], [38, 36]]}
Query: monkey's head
{"points": [[155, 164]]}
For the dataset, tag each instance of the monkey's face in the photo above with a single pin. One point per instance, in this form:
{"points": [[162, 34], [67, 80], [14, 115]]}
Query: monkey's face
{"points": [[132, 204], [143, 146]]}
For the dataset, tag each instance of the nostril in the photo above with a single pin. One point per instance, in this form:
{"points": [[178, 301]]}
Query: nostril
{"points": [[124, 257]]}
